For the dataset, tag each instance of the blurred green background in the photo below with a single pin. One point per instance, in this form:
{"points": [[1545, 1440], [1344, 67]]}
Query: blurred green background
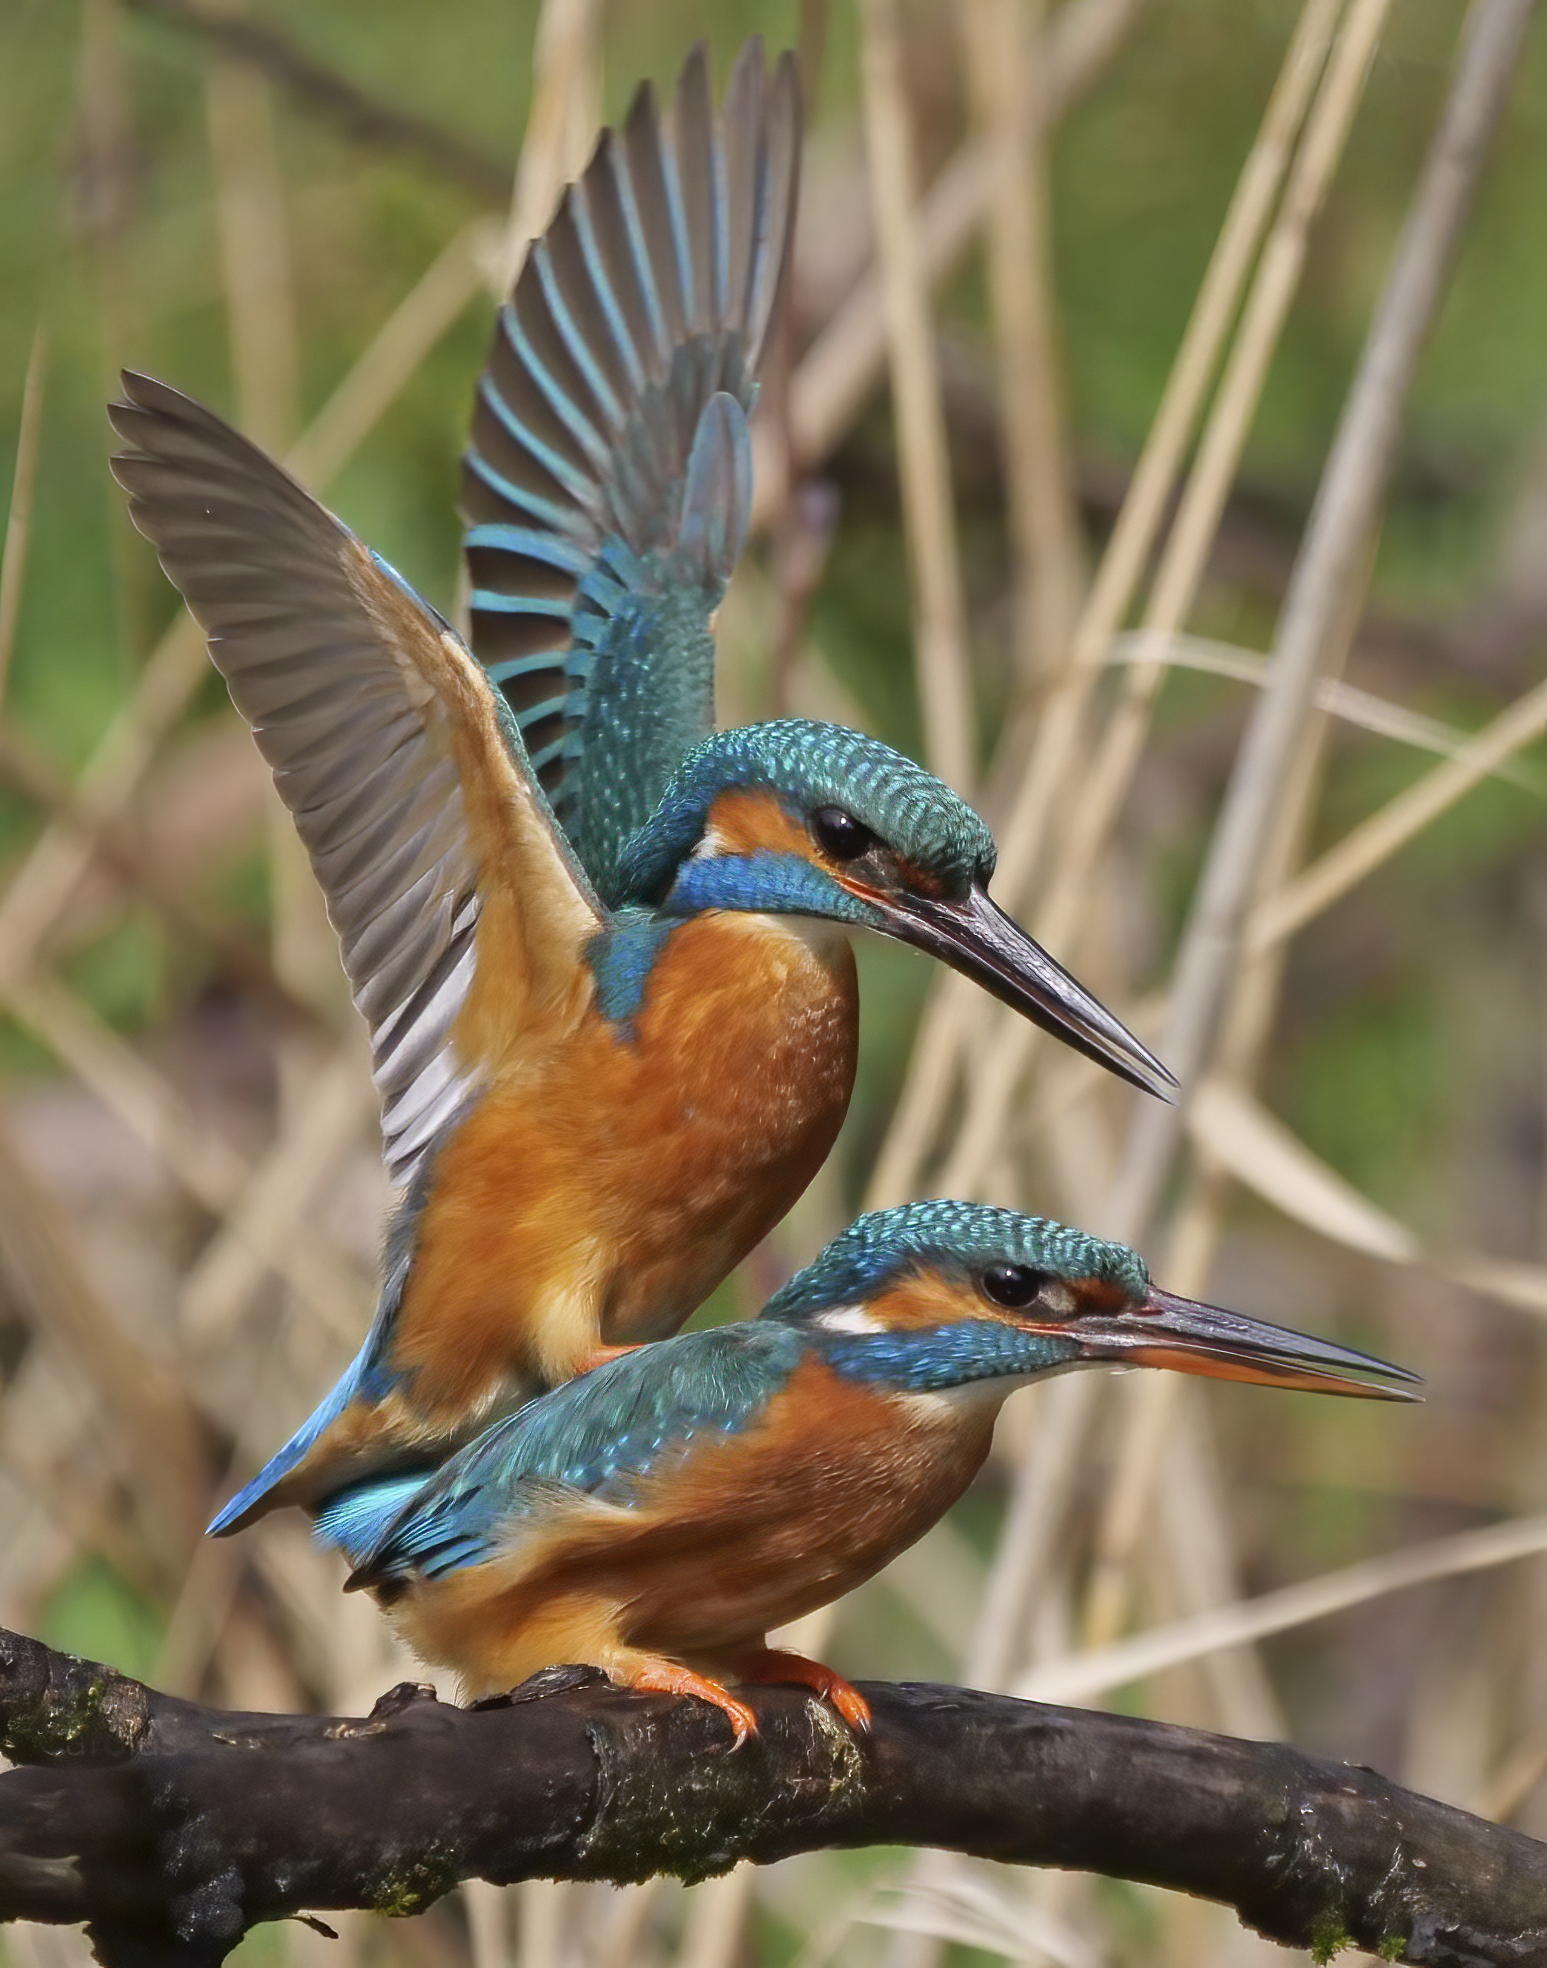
{"points": [[1410, 1049]]}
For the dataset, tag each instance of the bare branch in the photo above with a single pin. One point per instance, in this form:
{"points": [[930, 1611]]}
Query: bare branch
{"points": [[171, 1829]]}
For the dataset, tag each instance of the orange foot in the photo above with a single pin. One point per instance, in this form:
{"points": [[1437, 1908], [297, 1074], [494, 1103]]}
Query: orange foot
{"points": [[767, 1664], [668, 1677], [600, 1355]]}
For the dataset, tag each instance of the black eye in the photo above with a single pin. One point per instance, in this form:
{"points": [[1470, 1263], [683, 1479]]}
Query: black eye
{"points": [[840, 835], [1013, 1285]]}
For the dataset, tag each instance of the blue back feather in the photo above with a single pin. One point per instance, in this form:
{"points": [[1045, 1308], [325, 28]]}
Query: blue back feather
{"points": [[600, 1436], [605, 1434]]}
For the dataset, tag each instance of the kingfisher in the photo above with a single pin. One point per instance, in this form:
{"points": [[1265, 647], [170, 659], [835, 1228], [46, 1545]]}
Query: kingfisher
{"points": [[658, 1516], [613, 1050]]}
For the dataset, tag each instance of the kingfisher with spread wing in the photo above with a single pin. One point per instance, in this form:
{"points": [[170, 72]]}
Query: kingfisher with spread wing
{"points": [[603, 950], [655, 1518]]}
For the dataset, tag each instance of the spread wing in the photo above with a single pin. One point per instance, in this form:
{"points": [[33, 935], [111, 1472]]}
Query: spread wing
{"points": [[598, 1440], [461, 912], [609, 478]]}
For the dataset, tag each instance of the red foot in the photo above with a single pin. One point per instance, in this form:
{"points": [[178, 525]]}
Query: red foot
{"points": [[772, 1664], [668, 1677]]}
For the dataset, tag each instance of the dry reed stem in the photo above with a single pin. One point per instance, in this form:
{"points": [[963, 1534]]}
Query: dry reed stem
{"points": [[838, 371], [254, 253], [42, 886], [18, 520], [320, 1129], [1340, 91], [923, 460], [394, 354], [1332, 560], [488, 1923], [1344, 701], [563, 88], [1001, 1065], [544, 1905], [932, 1068], [1080, 1677], [1004, 41], [1150, 1405], [164, 1435], [1374, 841], [202, 1161]]}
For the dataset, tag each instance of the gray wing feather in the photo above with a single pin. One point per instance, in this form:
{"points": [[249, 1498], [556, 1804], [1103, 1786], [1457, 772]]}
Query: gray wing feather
{"points": [[355, 735]]}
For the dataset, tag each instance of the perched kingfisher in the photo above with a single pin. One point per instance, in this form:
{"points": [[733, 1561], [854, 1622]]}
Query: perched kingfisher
{"points": [[609, 1058], [658, 1516]]}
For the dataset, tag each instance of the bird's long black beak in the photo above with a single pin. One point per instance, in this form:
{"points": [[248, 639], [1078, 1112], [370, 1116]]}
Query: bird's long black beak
{"points": [[1165, 1331], [977, 938]]}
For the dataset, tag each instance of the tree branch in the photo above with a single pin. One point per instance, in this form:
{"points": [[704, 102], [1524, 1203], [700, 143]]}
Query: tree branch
{"points": [[171, 1828]]}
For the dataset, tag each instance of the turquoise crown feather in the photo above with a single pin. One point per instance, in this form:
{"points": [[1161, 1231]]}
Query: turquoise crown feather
{"points": [[884, 1245], [812, 765]]}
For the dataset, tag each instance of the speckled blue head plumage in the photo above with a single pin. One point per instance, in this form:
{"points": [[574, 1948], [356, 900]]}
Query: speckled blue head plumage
{"points": [[962, 1238], [811, 765]]}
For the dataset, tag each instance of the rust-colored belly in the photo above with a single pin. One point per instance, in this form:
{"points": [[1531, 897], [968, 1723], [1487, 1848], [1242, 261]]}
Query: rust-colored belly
{"points": [[601, 1192], [752, 1532]]}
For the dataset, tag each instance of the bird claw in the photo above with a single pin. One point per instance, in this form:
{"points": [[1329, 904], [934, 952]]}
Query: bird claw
{"points": [[562, 1680]]}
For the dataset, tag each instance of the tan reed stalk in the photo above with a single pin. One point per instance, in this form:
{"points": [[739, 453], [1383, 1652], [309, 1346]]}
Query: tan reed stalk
{"points": [[255, 257], [838, 371], [163, 1433], [1343, 701], [13, 555], [1374, 841], [312, 1141], [201, 1160], [1149, 1405], [1001, 1065], [41, 888], [1082, 1676], [1412, 295], [1332, 559], [923, 461], [1003, 41], [560, 127], [1021, 1557], [931, 1073]]}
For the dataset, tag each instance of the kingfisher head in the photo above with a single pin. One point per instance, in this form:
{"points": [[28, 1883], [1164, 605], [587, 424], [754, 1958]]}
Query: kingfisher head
{"points": [[798, 818], [937, 1296]]}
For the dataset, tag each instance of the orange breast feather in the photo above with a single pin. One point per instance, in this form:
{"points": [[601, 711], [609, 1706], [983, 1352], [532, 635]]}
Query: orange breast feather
{"points": [[608, 1181], [749, 1532]]}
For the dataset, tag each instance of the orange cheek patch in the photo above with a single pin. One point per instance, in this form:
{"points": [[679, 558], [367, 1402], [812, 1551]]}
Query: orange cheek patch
{"points": [[915, 1304], [750, 821]]}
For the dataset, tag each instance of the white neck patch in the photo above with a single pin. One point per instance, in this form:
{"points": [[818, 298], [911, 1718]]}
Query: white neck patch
{"points": [[848, 1319]]}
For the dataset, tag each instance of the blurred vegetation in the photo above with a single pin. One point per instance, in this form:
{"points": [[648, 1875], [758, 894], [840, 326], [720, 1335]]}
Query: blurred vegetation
{"points": [[1410, 1049]]}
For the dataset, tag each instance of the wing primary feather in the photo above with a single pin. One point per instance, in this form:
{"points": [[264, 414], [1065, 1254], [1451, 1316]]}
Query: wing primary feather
{"points": [[743, 127], [654, 221], [387, 743], [652, 293], [539, 340], [693, 166], [562, 313], [717, 497], [579, 261], [770, 258]]}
